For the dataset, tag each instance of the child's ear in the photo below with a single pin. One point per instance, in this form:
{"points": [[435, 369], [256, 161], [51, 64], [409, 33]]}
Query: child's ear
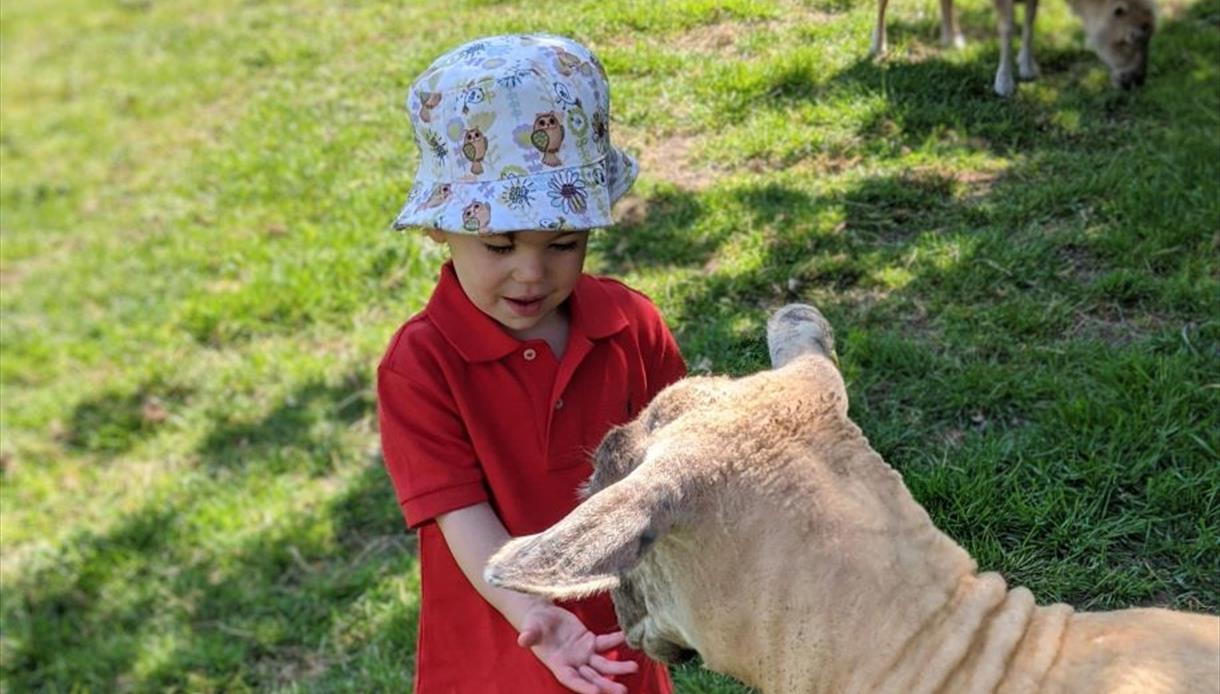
{"points": [[436, 235]]}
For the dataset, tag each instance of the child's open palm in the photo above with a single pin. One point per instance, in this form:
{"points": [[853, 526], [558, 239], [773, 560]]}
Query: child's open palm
{"points": [[573, 653]]}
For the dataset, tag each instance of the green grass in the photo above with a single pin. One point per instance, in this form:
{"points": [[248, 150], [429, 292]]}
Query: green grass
{"points": [[196, 281]]}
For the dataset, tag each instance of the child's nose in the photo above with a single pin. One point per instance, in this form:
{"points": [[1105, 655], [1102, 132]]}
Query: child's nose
{"points": [[530, 269]]}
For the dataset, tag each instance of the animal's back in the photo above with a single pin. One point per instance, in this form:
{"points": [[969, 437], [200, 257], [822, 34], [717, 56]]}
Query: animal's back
{"points": [[1149, 651]]}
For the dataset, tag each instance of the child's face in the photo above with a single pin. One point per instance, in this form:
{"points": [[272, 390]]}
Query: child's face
{"points": [[519, 278]]}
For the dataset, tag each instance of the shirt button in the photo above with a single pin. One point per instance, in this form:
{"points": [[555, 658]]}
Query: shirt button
{"points": [[529, 354], [559, 404]]}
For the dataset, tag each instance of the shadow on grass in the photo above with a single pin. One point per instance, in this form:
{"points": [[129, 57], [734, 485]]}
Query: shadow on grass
{"points": [[656, 230], [300, 432], [115, 421], [167, 597]]}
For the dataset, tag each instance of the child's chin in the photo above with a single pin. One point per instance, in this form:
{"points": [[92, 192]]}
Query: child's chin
{"points": [[512, 321]]}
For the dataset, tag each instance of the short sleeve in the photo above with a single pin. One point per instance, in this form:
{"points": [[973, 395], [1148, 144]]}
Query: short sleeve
{"points": [[426, 448], [659, 349], [667, 365]]}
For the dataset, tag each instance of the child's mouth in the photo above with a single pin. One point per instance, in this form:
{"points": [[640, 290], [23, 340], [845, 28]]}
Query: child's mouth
{"points": [[526, 306]]}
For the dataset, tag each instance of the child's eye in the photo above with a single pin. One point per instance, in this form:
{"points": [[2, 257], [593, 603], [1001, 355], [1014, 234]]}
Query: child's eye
{"points": [[498, 250], [569, 246]]}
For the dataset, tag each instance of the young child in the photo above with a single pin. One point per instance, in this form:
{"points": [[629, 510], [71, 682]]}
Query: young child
{"points": [[492, 398]]}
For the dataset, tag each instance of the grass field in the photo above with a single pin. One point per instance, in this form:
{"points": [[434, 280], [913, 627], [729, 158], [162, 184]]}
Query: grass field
{"points": [[198, 278]]}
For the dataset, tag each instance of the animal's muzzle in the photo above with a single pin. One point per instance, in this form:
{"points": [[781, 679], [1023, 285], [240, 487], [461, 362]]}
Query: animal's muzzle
{"points": [[670, 653], [1131, 79]]}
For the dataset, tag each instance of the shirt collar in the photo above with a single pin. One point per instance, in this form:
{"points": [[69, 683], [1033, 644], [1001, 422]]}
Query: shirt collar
{"points": [[478, 337]]}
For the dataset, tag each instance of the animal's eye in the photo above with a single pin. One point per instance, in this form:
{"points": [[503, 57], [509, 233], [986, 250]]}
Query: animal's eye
{"points": [[1119, 11]]}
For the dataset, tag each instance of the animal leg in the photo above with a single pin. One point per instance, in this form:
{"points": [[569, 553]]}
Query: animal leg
{"points": [[1005, 85], [950, 34], [1027, 68], [878, 48]]}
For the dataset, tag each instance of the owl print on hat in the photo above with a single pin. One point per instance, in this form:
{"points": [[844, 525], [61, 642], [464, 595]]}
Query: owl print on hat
{"points": [[600, 126], [566, 62], [440, 195], [473, 139], [474, 148], [476, 216], [427, 102], [547, 137]]}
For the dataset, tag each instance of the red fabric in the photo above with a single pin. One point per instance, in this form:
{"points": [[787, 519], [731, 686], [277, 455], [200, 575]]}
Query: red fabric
{"points": [[467, 417]]}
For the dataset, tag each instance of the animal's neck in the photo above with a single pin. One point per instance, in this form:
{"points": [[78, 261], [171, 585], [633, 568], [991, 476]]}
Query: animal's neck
{"points": [[912, 635], [970, 644], [896, 607]]}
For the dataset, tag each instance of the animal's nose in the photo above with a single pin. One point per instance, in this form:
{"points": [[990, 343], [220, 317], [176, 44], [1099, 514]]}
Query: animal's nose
{"points": [[1130, 80]]}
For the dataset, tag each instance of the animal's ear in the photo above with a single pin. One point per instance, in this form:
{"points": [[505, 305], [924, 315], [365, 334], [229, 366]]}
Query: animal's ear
{"points": [[587, 551], [796, 330]]}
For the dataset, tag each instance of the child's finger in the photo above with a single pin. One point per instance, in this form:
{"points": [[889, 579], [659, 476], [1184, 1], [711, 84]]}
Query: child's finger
{"points": [[574, 681], [529, 637], [613, 667], [607, 641], [603, 685]]}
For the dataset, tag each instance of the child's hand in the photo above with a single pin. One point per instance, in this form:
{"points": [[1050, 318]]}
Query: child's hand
{"points": [[572, 652]]}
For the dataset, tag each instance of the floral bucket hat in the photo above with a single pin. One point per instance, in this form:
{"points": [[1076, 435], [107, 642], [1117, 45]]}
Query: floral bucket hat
{"points": [[514, 134]]}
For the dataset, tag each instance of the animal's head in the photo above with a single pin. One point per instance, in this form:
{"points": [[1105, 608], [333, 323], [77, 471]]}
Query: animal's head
{"points": [[1120, 32], [546, 121], [707, 466], [476, 216]]}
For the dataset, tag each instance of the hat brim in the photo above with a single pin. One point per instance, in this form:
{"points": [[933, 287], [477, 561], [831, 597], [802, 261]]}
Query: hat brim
{"points": [[574, 197]]}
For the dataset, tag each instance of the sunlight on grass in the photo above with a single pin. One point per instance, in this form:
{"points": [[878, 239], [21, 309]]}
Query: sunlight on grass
{"points": [[198, 280]]}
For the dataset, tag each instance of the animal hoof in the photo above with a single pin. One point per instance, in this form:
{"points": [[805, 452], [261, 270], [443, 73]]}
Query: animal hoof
{"points": [[1027, 69], [1005, 86], [877, 49], [956, 41]]}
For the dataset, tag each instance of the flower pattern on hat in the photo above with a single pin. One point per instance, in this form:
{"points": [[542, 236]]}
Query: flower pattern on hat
{"points": [[513, 134]]}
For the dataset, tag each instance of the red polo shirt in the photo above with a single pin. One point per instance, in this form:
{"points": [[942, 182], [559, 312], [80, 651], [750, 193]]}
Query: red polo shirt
{"points": [[469, 414]]}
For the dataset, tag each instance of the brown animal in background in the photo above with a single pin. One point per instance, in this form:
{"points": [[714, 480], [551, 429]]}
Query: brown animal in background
{"points": [[1118, 31], [749, 522]]}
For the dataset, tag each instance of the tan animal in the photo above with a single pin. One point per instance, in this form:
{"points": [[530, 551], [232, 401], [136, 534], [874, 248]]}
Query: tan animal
{"points": [[1118, 31], [750, 522]]}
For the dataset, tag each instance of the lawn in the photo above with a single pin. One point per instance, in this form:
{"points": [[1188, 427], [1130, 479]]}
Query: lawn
{"points": [[197, 279]]}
